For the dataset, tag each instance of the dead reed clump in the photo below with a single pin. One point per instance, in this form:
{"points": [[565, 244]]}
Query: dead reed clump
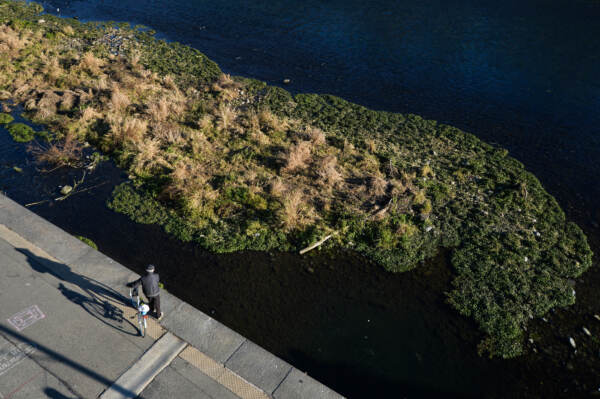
{"points": [[167, 132], [30, 104], [125, 130], [147, 157], [90, 63], [11, 41], [377, 186], [67, 101], [227, 116], [227, 88], [135, 58], [269, 120], [328, 171], [291, 212], [68, 30], [371, 145], [206, 123], [89, 114], [253, 121], [46, 106], [53, 70], [159, 111], [118, 100], [169, 82], [134, 130], [298, 156], [199, 143], [63, 153], [419, 197], [316, 135], [277, 187]]}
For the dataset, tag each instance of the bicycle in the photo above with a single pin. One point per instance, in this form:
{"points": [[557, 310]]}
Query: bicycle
{"points": [[142, 310]]}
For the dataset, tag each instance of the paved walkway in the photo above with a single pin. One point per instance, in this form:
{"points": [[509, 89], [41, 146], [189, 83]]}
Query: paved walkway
{"points": [[68, 331]]}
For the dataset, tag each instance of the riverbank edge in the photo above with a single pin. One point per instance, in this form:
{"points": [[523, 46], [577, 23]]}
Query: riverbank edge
{"points": [[229, 349]]}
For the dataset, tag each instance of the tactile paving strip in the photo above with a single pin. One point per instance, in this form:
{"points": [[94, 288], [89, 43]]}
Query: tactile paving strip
{"points": [[222, 375]]}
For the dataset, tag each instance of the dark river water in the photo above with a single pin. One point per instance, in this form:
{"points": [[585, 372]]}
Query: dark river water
{"points": [[522, 74]]}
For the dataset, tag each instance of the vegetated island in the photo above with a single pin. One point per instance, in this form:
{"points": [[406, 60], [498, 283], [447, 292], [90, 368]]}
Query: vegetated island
{"points": [[234, 164]]}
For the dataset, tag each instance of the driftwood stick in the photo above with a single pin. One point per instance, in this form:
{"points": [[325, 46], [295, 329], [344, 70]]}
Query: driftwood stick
{"points": [[378, 214], [79, 191], [37, 203], [318, 243]]}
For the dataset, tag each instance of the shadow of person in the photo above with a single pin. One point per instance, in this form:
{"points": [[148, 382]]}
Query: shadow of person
{"points": [[96, 298]]}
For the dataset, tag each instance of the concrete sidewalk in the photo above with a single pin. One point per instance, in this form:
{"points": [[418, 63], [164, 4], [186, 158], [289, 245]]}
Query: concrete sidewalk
{"points": [[67, 330]]}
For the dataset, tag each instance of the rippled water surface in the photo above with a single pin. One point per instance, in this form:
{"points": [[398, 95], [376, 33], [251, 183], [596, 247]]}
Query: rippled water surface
{"points": [[522, 74]]}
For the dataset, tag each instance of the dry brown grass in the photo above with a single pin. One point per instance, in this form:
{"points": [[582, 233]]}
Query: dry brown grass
{"points": [[11, 41], [159, 110], [198, 143], [371, 146], [68, 30], [206, 123], [135, 58], [227, 116], [46, 106], [377, 186], [291, 213], [90, 63], [227, 88], [148, 156], [119, 101], [419, 197], [65, 152], [126, 130], [89, 114], [167, 132], [328, 171], [271, 121], [169, 83], [316, 135], [67, 101], [298, 156], [277, 187]]}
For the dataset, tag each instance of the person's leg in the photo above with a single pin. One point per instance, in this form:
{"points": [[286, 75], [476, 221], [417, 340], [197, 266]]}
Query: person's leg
{"points": [[157, 306], [152, 304]]}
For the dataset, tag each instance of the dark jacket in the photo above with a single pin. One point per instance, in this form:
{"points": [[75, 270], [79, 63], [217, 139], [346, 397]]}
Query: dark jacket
{"points": [[149, 284]]}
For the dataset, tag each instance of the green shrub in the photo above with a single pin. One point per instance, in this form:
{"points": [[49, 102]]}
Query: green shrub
{"points": [[5, 118], [88, 242], [20, 132]]}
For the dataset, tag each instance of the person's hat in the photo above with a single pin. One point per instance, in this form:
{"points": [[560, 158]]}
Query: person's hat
{"points": [[150, 268]]}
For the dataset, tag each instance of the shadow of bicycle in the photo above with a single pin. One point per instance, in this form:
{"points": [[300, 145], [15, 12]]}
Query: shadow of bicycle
{"points": [[96, 298]]}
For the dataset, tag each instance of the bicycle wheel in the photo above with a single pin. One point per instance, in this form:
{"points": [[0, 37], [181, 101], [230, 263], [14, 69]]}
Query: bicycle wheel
{"points": [[142, 325]]}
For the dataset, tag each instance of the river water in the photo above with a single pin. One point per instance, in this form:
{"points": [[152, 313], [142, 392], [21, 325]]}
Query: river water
{"points": [[522, 74]]}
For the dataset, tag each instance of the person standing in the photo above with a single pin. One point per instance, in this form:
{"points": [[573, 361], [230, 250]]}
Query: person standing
{"points": [[151, 290]]}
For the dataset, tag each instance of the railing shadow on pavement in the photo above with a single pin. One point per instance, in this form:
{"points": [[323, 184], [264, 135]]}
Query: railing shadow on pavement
{"points": [[97, 298], [55, 356]]}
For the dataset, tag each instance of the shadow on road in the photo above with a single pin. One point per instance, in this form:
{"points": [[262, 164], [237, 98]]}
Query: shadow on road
{"points": [[54, 394], [95, 297], [8, 334]]}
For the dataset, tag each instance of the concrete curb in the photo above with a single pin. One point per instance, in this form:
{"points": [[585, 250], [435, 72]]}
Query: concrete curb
{"points": [[228, 348], [132, 382]]}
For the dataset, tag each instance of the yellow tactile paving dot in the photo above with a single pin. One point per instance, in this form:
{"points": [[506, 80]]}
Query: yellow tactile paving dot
{"points": [[222, 375], [208, 366], [239, 386]]}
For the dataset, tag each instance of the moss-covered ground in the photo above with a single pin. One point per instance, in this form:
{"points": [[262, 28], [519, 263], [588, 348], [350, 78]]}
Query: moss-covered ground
{"points": [[235, 164]]}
